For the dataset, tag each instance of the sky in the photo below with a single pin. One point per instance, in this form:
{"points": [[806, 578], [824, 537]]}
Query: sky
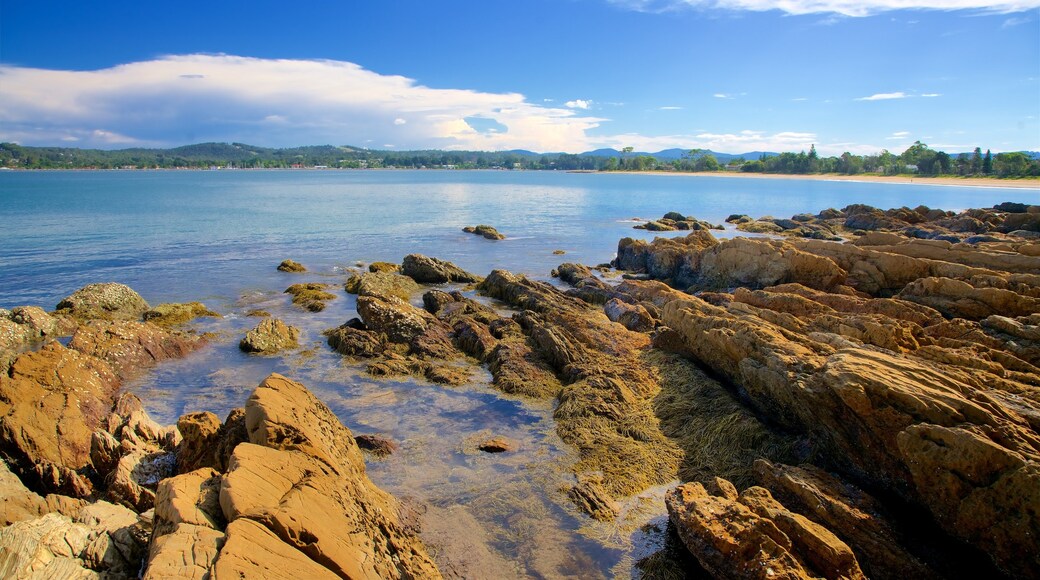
{"points": [[732, 76]]}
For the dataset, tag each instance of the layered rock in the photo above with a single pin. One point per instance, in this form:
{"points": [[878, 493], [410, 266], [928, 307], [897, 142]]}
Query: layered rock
{"points": [[751, 535], [50, 404], [294, 501], [854, 346]]}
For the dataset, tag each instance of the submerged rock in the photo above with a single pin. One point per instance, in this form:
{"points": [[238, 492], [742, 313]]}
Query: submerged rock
{"points": [[169, 315]]}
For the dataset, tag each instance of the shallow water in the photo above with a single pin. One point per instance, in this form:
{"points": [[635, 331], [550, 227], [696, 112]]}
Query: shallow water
{"points": [[217, 237]]}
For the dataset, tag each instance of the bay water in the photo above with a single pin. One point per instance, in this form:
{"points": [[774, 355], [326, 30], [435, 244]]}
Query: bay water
{"points": [[217, 236]]}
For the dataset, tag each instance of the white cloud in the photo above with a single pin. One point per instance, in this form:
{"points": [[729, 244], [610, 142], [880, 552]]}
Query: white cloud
{"points": [[931, 95], [741, 142], [400, 121], [1010, 22], [800, 99], [898, 136], [578, 104], [855, 8], [177, 100], [669, 108], [722, 96], [884, 96]]}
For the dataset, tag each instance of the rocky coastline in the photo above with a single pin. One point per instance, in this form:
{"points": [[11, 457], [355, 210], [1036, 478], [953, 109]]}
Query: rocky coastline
{"points": [[856, 395]]}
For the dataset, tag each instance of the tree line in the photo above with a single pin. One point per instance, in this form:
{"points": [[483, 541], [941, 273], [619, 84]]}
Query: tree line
{"points": [[918, 159]]}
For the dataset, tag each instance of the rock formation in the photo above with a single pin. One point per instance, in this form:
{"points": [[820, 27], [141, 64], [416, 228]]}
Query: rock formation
{"points": [[425, 270], [270, 336], [909, 364], [488, 232]]}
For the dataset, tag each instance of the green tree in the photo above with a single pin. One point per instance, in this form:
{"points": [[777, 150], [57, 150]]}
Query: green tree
{"points": [[976, 161], [987, 163]]}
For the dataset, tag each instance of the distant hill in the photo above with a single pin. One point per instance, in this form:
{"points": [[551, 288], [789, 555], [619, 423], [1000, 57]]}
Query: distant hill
{"points": [[676, 153]]}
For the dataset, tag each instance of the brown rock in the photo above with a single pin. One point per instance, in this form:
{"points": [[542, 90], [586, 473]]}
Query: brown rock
{"points": [[291, 266], [497, 445], [270, 336], [488, 232], [309, 459], [383, 267], [199, 437], [591, 498], [754, 536], [350, 341], [847, 511], [131, 347], [425, 270], [382, 284], [106, 301], [956, 298], [376, 445], [634, 317], [169, 315], [311, 296], [50, 405], [399, 321]]}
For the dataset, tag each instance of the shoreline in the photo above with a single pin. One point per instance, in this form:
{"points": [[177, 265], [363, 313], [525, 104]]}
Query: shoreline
{"points": [[991, 182], [893, 179]]}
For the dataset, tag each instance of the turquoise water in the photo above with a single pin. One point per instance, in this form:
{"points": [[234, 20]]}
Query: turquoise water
{"points": [[217, 237], [188, 235]]}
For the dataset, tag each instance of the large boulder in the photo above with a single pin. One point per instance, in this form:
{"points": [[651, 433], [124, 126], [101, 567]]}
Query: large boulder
{"points": [[426, 270], [104, 301], [50, 404], [300, 485]]}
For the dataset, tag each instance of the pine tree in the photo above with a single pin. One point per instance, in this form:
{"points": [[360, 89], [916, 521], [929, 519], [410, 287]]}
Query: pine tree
{"points": [[987, 163]]}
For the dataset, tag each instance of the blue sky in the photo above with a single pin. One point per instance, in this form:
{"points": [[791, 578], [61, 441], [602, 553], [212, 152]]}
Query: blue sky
{"points": [[560, 75]]}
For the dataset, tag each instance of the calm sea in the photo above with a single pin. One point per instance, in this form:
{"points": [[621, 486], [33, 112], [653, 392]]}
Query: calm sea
{"points": [[189, 235], [216, 236]]}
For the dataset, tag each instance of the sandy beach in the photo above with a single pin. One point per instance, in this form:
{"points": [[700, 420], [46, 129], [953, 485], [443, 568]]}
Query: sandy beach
{"points": [[901, 179]]}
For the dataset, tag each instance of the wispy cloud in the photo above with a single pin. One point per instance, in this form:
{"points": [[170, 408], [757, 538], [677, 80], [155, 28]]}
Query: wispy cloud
{"points": [[193, 98], [884, 96], [743, 141], [898, 136], [1015, 21], [931, 95], [578, 104], [669, 108], [842, 7]]}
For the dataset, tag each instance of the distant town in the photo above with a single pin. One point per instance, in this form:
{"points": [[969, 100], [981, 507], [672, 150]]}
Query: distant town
{"points": [[918, 159]]}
